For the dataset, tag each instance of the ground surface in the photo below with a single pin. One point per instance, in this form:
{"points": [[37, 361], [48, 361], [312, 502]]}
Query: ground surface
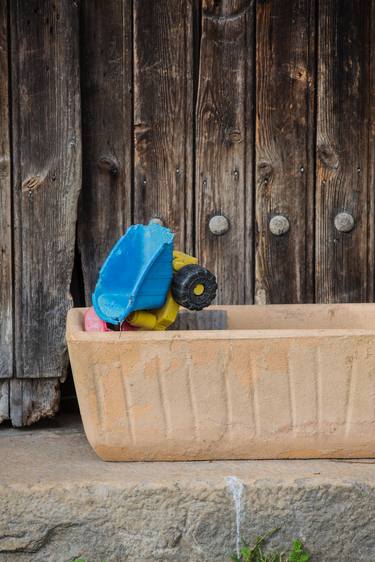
{"points": [[59, 501]]}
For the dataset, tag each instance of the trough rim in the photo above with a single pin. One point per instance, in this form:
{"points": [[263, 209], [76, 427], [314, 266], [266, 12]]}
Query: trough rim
{"points": [[75, 331]]}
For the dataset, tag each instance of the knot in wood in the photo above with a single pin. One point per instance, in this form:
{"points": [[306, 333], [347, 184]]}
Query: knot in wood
{"points": [[344, 222], [223, 11], [218, 225], [109, 165], [265, 170], [328, 157], [32, 183], [232, 135], [279, 225]]}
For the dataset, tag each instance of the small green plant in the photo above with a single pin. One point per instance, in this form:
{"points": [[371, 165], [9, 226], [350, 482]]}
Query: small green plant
{"points": [[78, 560], [255, 553]]}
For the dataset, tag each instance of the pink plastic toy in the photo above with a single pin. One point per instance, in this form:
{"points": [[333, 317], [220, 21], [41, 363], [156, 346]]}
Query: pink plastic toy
{"points": [[94, 324]]}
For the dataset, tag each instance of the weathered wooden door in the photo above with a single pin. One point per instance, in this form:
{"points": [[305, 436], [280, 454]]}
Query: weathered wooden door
{"points": [[245, 126], [40, 183]]}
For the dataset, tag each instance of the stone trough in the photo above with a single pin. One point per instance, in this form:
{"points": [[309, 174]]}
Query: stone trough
{"points": [[288, 381]]}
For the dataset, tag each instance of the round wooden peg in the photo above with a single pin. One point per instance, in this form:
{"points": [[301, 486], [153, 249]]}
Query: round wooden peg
{"points": [[156, 220], [279, 225], [218, 225], [344, 222]]}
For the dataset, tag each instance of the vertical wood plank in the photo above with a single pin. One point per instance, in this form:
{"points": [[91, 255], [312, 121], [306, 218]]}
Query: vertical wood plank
{"points": [[106, 74], [285, 150], [33, 399], [6, 322], [224, 141], [4, 400], [371, 161], [163, 115], [47, 178], [343, 115]]}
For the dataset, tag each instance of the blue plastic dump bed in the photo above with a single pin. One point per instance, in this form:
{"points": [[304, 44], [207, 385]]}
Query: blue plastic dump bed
{"points": [[136, 274]]}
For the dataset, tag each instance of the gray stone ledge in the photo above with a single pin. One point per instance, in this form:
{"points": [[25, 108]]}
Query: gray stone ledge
{"points": [[59, 501]]}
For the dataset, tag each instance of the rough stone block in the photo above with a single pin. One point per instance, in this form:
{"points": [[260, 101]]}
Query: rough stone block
{"points": [[58, 501]]}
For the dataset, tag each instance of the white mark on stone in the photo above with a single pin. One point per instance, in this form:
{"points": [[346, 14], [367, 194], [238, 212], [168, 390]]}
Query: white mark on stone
{"points": [[236, 488]]}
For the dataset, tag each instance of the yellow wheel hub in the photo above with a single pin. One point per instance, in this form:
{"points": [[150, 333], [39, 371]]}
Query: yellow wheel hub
{"points": [[199, 289]]}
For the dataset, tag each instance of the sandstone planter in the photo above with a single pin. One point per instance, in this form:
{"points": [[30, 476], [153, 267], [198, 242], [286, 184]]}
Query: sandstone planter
{"points": [[281, 381]]}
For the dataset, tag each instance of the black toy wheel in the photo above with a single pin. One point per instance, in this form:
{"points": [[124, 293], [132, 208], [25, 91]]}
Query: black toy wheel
{"points": [[194, 287]]}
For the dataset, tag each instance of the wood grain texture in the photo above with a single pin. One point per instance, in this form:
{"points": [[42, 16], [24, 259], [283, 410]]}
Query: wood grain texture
{"points": [[371, 163], [163, 115], [343, 115], [202, 320], [285, 150], [32, 400], [106, 81], [224, 147], [4, 400], [6, 309], [47, 178]]}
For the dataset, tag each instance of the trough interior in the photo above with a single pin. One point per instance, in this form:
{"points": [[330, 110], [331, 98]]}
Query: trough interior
{"points": [[301, 317], [358, 316]]}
